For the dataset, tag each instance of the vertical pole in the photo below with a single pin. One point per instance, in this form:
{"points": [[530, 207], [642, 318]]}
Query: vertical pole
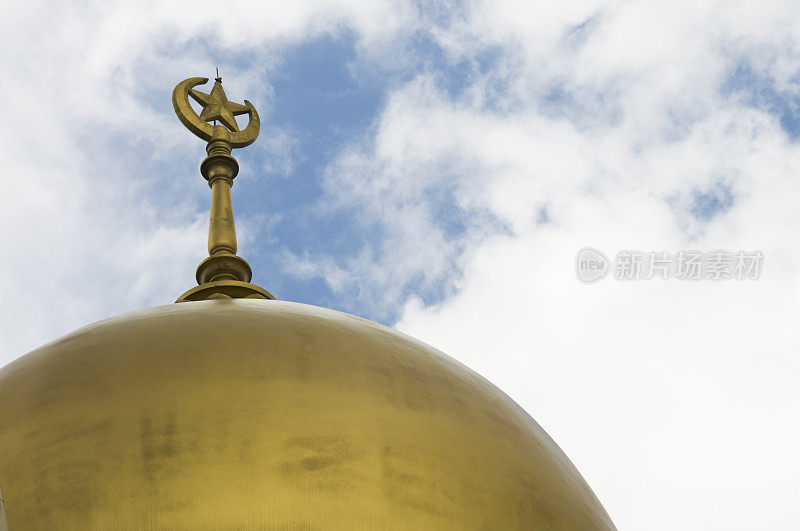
{"points": [[221, 228], [219, 168]]}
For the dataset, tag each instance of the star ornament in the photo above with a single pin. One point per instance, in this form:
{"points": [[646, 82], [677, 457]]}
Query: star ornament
{"points": [[217, 107]]}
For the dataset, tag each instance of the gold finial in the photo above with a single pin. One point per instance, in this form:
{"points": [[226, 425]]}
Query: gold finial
{"points": [[222, 275]]}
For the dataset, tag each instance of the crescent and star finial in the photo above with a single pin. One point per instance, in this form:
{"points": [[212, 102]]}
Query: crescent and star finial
{"points": [[223, 275], [216, 107]]}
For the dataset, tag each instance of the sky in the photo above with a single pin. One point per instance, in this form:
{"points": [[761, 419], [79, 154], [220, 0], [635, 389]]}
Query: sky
{"points": [[436, 167]]}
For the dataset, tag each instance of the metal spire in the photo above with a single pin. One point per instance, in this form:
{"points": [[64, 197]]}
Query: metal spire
{"points": [[222, 275]]}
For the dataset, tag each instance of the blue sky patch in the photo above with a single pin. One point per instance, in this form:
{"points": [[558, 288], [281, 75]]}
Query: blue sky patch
{"points": [[758, 90], [708, 204]]}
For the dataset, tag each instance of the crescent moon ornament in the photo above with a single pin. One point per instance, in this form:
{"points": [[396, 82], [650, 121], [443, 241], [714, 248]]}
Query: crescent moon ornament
{"points": [[216, 107]]}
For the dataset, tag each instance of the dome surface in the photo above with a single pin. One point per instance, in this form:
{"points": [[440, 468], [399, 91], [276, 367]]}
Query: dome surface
{"points": [[247, 414]]}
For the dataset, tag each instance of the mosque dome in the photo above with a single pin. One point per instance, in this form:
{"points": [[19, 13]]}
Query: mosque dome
{"points": [[262, 414], [232, 410]]}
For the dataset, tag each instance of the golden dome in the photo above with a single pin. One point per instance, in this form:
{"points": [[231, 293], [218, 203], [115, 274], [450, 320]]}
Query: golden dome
{"points": [[256, 414]]}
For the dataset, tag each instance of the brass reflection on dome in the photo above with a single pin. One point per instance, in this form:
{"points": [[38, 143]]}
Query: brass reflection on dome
{"points": [[223, 275]]}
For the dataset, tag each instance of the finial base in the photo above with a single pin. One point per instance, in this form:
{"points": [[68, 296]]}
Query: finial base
{"points": [[223, 266], [225, 289]]}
